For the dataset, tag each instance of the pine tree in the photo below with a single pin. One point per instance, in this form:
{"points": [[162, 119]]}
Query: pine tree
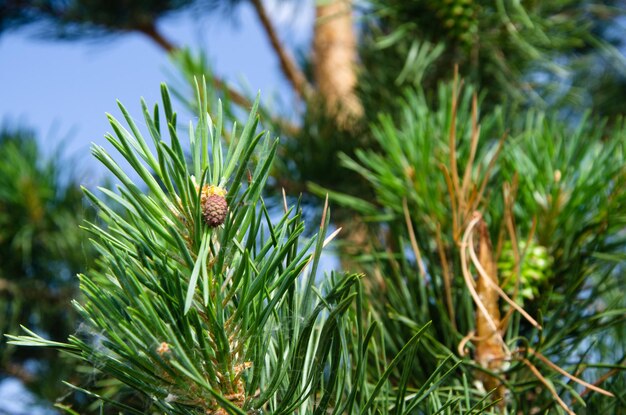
{"points": [[489, 230]]}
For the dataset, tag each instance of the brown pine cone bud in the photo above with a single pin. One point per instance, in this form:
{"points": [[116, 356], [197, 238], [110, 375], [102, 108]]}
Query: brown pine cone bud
{"points": [[214, 210]]}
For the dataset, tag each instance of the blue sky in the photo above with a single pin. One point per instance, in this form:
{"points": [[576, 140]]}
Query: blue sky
{"points": [[62, 90]]}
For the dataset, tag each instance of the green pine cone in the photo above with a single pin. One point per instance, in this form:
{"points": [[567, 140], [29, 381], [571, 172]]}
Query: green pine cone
{"points": [[535, 269]]}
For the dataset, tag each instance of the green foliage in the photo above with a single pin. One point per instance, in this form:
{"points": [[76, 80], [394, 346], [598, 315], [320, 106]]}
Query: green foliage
{"points": [[41, 248], [558, 185], [306, 154], [534, 269], [531, 52], [229, 319], [189, 67], [570, 180]]}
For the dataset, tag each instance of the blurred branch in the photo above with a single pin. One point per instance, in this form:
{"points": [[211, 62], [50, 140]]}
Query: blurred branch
{"points": [[36, 292], [157, 37], [6, 285], [18, 371], [290, 69], [152, 32]]}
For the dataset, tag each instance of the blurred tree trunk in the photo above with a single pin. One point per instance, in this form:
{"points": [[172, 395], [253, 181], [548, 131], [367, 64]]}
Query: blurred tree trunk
{"points": [[334, 49], [334, 55]]}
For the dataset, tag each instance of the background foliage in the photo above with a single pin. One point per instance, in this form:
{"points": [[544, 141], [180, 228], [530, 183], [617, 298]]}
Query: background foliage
{"points": [[41, 250]]}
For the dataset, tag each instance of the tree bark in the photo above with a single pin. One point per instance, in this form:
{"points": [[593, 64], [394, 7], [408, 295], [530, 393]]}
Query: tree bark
{"points": [[490, 352], [334, 48]]}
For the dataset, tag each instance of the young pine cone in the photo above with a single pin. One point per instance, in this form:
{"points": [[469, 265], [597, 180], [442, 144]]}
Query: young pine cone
{"points": [[214, 210]]}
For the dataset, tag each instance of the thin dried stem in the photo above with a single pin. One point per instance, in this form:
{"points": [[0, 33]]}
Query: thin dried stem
{"points": [[285, 200], [495, 287], [481, 270], [324, 212], [490, 167], [561, 371], [517, 258], [602, 378], [330, 237], [461, 347], [548, 385], [414, 246], [467, 176], [454, 173], [447, 277], [455, 222]]}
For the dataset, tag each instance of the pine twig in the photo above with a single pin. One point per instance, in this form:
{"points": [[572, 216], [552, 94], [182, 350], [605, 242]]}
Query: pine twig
{"points": [[290, 69], [414, 246]]}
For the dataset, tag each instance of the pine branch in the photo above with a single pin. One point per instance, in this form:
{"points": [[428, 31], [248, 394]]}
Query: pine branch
{"points": [[187, 308], [290, 69]]}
